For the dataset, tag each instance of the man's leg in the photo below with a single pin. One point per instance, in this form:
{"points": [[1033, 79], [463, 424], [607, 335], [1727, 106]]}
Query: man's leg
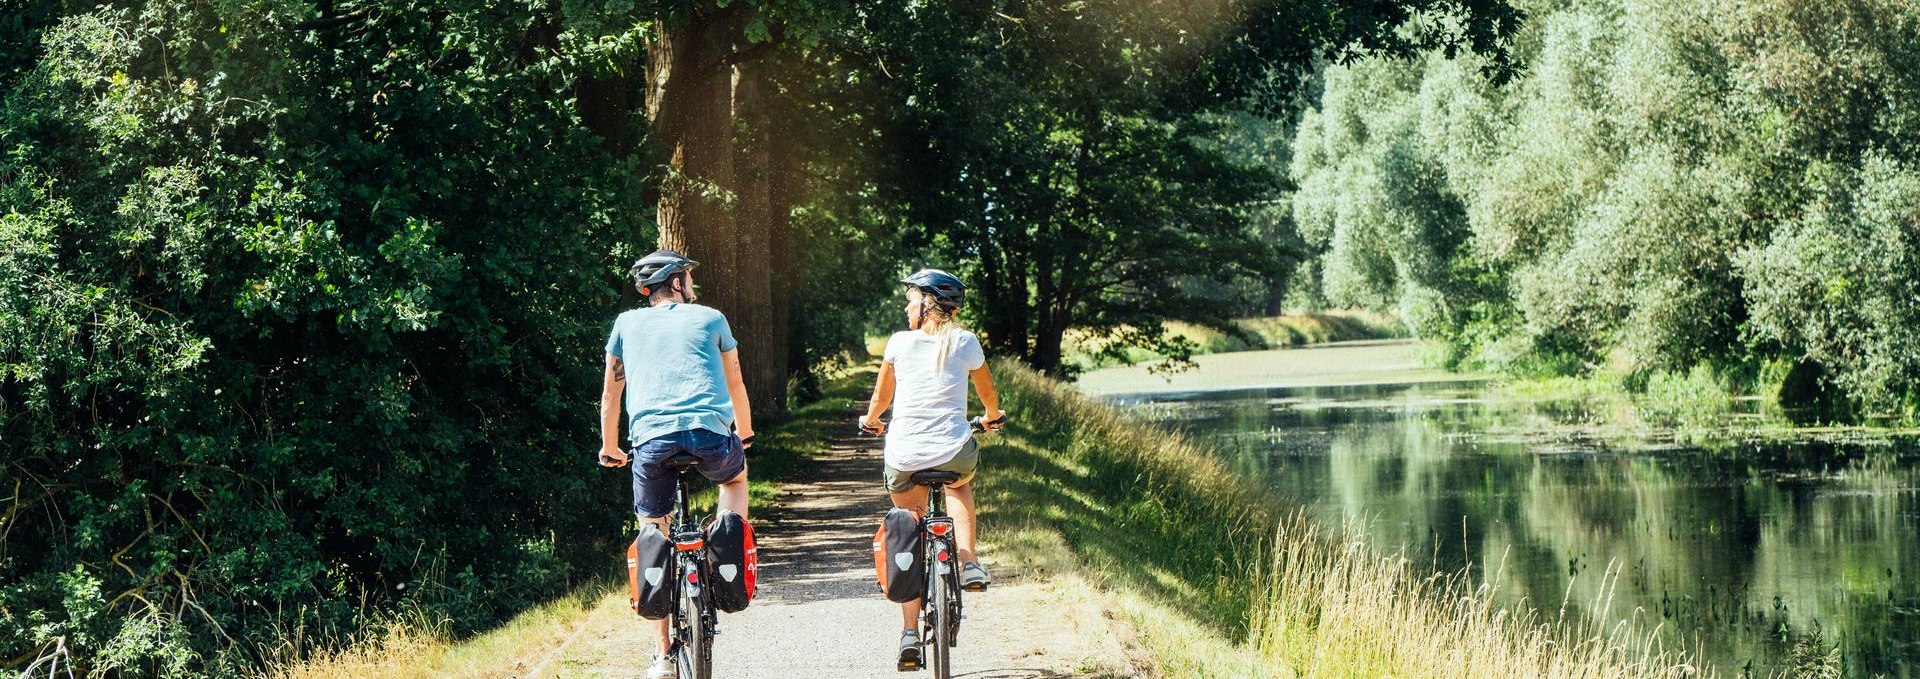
{"points": [[733, 495]]}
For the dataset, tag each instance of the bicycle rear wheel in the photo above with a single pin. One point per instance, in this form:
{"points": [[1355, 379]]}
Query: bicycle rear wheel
{"points": [[695, 654], [940, 619]]}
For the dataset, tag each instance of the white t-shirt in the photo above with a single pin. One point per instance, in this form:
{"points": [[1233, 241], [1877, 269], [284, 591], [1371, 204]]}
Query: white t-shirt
{"points": [[929, 424]]}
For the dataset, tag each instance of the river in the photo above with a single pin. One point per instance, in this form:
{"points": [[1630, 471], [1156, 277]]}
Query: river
{"points": [[1742, 536]]}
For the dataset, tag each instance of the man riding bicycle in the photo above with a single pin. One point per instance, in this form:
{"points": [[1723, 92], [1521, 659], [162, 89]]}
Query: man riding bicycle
{"points": [[678, 367]]}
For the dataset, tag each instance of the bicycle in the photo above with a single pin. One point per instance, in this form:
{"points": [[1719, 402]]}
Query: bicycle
{"points": [[941, 611], [692, 620]]}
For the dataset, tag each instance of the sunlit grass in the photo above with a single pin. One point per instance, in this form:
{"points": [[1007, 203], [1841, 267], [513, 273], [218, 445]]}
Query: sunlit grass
{"points": [[1084, 349]]}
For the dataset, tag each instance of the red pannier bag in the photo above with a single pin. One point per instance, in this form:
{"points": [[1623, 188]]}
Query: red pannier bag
{"points": [[898, 552], [649, 562], [732, 556]]}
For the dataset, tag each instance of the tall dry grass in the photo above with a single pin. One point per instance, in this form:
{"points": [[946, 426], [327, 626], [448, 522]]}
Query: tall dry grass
{"points": [[1152, 513]]}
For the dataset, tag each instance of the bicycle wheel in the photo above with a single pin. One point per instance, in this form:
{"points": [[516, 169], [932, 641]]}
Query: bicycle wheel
{"points": [[694, 656], [954, 592], [939, 610]]}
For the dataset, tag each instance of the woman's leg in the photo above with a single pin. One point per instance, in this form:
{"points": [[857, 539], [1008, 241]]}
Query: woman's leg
{"points": [[960, 507]]}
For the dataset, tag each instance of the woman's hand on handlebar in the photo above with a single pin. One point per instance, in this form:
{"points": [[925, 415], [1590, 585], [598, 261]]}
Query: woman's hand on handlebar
{"points": [[613, 456], [872, 427]]}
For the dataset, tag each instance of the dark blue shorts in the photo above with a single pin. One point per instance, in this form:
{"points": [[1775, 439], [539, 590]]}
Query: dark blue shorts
{"points": [[721, 459]]}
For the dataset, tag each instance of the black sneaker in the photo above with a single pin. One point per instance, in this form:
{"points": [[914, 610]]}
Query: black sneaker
{"points": [[909, 651]]}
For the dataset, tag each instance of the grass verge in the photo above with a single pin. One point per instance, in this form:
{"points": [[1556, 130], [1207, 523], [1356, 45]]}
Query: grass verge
{"points": [[415, 644], [1220, 580], [1254, 334]]}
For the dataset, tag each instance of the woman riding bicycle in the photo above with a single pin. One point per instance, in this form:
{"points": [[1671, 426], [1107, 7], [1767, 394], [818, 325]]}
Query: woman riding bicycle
{"points": [[923, 376]]}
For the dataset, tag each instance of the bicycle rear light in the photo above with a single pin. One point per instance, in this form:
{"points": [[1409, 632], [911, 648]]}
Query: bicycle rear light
{"points": [[939, 527]]}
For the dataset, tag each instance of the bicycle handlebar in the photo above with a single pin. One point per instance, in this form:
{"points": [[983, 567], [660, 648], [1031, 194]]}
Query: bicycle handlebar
{"points": [[979, 424]]}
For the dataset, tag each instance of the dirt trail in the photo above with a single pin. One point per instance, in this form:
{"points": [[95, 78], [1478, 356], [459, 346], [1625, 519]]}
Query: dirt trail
{"points": [[818, 613]]}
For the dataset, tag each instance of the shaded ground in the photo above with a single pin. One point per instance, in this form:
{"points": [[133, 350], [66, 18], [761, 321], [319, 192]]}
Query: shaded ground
{"points": [[1365, 362], [819, 613]]}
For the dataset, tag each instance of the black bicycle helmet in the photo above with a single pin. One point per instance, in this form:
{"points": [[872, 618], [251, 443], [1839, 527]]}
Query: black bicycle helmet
{"points": [[659, 266], [946, 288]]}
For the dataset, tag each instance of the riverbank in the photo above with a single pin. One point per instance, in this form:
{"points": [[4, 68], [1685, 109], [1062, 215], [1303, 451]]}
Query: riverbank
{"points": [[1337, 363], [1087, 352], [1221, 581]]}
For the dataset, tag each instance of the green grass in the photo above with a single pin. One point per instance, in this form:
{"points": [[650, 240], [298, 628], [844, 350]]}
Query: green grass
{"points": [[1277, 332], [1220, 579]]}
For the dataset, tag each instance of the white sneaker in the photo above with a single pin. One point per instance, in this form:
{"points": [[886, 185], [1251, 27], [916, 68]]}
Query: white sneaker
{"points": [[663, 668]]}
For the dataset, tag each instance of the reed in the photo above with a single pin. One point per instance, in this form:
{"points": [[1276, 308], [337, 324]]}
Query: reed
{"points": [[1189, 549]]}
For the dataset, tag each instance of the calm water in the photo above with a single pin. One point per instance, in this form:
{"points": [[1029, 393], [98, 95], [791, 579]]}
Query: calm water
{"points": [[1740, 546]]}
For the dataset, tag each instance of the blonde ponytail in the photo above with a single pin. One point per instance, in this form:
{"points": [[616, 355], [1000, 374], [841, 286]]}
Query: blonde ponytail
{"points": [[944, 328]]}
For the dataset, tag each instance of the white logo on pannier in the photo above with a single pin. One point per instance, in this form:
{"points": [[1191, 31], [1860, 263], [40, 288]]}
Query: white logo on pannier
{"points": [[727, 571], [654, 575], [904, 560]]}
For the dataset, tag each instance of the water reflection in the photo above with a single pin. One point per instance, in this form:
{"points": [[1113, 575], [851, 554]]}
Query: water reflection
{"points": [[1740, 543]]}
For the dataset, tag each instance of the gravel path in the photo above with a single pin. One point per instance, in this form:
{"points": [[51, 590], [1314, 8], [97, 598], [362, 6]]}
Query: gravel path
{"points": [[819, 614]]}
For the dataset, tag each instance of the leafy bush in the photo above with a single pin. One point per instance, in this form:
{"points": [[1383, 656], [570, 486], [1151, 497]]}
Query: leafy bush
{"points": [[296, 311]]}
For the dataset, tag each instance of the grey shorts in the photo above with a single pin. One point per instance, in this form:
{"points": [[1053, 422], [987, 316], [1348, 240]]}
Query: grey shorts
{"points": [[965, 464]]}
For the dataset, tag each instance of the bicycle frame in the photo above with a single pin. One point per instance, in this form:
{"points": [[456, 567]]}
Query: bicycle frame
{"points": [[943, 582], [690, 575]]}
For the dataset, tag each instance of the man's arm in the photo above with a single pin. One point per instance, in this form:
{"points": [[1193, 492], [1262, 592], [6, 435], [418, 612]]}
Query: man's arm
{"points": [[612, 388], [882, 399], [737, 390], [989, 396]]}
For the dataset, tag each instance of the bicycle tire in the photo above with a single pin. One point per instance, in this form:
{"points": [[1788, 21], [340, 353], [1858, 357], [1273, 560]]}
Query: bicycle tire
{"points": [[955, 592], [695, 654], [940, 642]]}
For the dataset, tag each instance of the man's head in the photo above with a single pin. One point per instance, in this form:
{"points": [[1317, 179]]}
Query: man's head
{"points": [[665, 275]]}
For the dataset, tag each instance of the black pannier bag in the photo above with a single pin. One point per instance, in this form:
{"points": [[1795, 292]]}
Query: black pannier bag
{"points": [[650, 573], [731, 555], [899, 551]]}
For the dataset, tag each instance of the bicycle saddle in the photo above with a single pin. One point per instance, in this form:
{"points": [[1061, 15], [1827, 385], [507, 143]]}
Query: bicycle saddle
{"points": [[680, 461], [934, 476]]}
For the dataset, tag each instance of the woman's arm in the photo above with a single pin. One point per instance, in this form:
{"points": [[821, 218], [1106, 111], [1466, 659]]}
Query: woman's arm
{"points": [[989, 396], [882, 399]]}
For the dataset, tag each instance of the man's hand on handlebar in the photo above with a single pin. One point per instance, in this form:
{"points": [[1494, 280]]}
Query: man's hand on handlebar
{"points": [[872, 427], [613, 457]]}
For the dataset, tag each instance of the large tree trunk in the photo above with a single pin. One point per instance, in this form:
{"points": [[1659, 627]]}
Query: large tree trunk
{"points": [[782, 188], [692, 107], [766, 373]]}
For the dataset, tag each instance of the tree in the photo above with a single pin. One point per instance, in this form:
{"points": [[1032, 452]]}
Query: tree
{"points": [[1650, 195], [1063, 151], [293, 305]]}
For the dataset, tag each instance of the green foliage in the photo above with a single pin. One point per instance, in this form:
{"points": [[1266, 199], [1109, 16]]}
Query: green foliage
{"points": [[1665, 185], [1076, 156], [297, 307], [1842, 283]]}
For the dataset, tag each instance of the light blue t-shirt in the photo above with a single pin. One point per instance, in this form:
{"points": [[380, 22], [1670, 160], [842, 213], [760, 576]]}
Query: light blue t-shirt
{"points": [[675, 381]]}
